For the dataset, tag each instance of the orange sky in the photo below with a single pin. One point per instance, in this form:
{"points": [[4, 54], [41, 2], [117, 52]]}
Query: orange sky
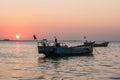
{"points": [[66, 19]]}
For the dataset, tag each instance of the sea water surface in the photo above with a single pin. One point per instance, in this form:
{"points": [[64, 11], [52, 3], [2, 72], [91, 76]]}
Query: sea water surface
{"points": [[19, 60]]}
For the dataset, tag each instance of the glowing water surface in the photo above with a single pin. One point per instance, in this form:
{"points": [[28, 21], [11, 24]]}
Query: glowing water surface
{"points": [[19, 60]]}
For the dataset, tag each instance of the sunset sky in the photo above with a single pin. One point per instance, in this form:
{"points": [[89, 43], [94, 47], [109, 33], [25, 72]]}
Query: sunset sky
{"points": [[65, 19]]}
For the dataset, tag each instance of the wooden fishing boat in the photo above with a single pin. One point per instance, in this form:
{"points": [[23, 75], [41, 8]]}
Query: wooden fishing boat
{"points": [[58, 50], [103, 44]]}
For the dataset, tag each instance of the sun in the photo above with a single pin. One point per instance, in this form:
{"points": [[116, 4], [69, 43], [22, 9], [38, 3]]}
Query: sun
{"points": [[17, 36]]}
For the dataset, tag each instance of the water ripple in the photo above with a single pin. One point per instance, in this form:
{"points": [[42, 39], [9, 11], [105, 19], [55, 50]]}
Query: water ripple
{"points": [[21, 61]]}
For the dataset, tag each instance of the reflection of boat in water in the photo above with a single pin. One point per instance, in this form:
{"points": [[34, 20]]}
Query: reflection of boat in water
{"points": [[62, 50], [103, 44]]}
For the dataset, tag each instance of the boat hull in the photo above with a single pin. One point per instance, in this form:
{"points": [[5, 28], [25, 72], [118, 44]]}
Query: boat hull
{"points": [[77, 51]]}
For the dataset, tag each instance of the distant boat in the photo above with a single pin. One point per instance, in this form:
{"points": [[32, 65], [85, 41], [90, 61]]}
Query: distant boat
{"points": [[102, 44], [58, 50], [6, 40]]}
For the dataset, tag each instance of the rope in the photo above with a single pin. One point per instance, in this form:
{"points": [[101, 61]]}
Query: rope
{"points": [[96, 51]]}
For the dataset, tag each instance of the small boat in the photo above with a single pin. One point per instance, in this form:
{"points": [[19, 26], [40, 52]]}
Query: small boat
{"points": [[6, 40], [103, 44], [58, 50]]}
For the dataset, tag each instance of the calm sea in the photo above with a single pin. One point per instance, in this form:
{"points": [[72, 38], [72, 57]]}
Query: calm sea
{"points": [[19, 60]]}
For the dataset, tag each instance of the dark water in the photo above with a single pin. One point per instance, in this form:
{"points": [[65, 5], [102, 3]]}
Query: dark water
{"points": [[21, 61]]}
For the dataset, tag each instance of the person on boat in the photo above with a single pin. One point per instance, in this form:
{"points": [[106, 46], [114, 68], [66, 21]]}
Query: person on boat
{"points": [[56, 42], [55, 39]]}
